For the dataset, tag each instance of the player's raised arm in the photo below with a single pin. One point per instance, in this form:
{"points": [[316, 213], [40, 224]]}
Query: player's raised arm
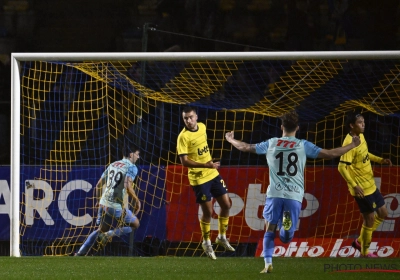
{"points": [[240, 145], [337, 152]]}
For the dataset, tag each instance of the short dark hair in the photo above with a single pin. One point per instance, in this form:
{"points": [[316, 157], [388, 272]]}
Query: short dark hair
{"points": [[351, 118], [128, 149], [290, 121], [188, 109]]}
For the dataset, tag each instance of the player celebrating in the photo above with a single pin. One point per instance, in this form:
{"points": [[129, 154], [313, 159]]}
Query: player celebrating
{"points": [[204, 178], [286, 158], [355, 168], [118, 179]]}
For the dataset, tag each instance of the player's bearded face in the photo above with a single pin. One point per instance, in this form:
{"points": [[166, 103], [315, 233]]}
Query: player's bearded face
{"points": [[190, 120]]}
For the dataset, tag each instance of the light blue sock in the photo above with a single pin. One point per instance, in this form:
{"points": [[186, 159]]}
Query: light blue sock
{"points": [[268, 246], [88, 243], [119, 231]]}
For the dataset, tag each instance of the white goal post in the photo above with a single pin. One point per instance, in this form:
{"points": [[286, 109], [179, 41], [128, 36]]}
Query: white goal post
{"points": [[17, 58]]}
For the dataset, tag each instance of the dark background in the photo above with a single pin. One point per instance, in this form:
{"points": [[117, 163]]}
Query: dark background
{"points": [[115, 25], [188, 25]]}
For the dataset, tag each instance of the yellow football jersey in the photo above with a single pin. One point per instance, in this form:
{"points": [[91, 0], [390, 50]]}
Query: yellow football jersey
{"points": [[194, 145], [355, 166]]}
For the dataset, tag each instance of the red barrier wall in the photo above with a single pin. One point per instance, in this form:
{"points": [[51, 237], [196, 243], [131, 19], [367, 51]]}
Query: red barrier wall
{"points": [[329, 213]]}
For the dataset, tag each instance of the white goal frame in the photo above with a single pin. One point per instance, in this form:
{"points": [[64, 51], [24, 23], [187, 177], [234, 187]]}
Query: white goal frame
{"points": [[16, 58]]}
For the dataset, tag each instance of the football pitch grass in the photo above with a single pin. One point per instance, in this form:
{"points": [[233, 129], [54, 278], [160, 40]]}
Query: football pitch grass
{"points": [[196, 268]]}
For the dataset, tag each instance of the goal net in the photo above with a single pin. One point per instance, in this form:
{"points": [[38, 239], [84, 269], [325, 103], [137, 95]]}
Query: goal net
{"points": [[72, 114]]}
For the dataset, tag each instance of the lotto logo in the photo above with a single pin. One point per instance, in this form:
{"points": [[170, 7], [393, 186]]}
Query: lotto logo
{"points": [[323, 247]]}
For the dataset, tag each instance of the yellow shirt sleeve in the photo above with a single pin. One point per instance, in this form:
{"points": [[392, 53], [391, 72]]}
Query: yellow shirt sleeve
{"points": [[345, 163], [375, 158], [342, 167]]}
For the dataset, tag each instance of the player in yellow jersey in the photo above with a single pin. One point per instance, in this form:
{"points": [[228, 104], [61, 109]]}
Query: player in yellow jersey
{"points": [[355, 167], [204, 178]]}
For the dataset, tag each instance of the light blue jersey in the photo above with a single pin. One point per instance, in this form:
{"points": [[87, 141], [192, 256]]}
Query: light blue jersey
{"points": [[113, 195], [286, 158]]}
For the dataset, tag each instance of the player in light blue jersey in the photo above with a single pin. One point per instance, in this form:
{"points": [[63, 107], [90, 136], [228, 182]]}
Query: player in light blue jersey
{"points": [[115, 182], [286, 158]]}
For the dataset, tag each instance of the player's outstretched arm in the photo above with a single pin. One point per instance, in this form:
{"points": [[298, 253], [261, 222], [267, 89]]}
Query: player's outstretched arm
{"points": [[337, 152], [379, 160], [241, 146], [387, 161]]}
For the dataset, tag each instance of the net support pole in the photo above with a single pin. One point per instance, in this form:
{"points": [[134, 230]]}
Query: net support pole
{"points": [[139, 117], [15, 158]]}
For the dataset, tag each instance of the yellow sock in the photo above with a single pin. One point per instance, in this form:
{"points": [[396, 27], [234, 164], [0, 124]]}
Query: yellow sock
{"points": [[205, 230], [377, 222], [223, 225], [365, 239]]}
